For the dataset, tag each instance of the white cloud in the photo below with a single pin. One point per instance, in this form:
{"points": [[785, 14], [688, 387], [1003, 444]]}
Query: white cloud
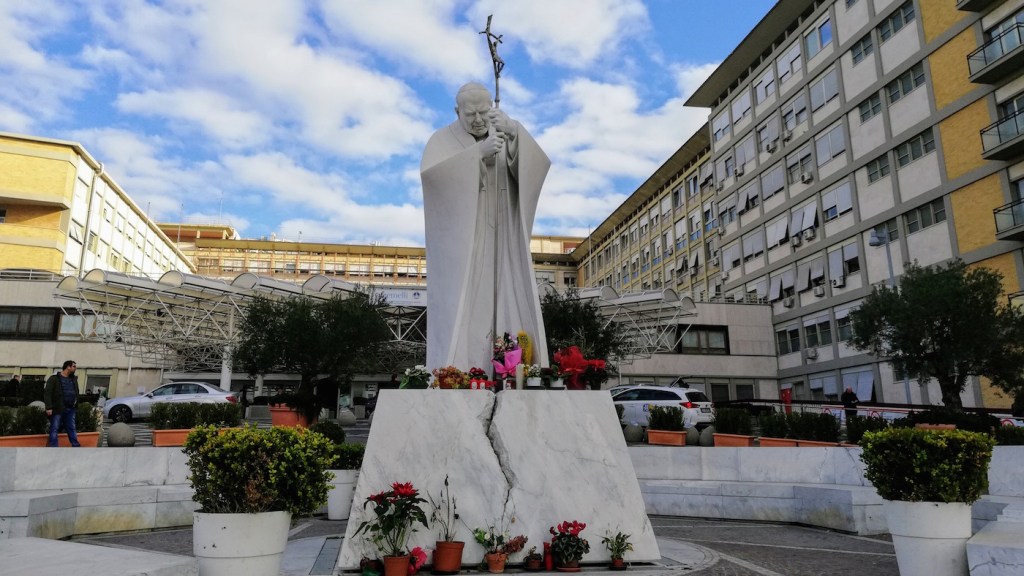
{"points": [[217, 114], [571, 34], [36, 83], [417, 35]]}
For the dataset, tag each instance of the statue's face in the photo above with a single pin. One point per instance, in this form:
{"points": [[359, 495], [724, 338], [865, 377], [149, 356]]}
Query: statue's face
{"points": [[472, 111]]}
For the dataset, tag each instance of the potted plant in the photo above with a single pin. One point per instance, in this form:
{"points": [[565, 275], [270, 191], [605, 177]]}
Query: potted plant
{"points": [[447, 550], [732, 427], [553, 376], [665, 426], [27, 427], [477, 378], [395, 512], [567, 546], [928, 480], [416, 377], [249, 482], [348, 459], [775, 430], [533, 376], [533, 561], [450, 378], [499, 545], [617, 544], [172, 421]]}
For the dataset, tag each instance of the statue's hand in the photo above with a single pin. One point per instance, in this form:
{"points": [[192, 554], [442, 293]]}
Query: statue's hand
{"points": [[491, 146], [501, 122]]}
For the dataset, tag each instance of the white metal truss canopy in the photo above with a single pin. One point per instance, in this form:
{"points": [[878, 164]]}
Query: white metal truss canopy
{"points": [[651, 318]]}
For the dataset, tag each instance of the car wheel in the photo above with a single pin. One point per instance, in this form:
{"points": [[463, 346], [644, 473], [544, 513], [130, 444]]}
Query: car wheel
{"points": [[121, 414]]}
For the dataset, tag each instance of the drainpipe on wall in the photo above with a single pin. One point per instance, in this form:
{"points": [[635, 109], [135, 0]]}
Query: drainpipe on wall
{"points": [[88, 219]]}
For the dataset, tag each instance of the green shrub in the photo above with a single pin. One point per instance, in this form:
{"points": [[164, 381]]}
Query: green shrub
{"points": [[856, 426], [185, 415], [732, 421], [350, 456], [774, 425], [6, 420], [247, 470], [331, 429], [927, 465], [10, 401], [669, 418], [819, 427], [970, 421], [1010, 435], [87, 419], [29, 420]]}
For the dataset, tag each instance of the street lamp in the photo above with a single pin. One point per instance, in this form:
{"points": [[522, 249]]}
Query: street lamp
{"points": [[880, 237]]}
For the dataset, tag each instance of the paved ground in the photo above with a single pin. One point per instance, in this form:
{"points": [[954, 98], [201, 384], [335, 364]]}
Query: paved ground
{"points": [[731, 548]]}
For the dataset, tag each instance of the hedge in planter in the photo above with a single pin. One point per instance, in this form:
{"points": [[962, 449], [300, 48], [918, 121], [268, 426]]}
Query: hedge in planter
{"points": [[668, 418], [1010, 435], [856, 426], [927, 466], [774, 425], [186, 415], [732, 421]]}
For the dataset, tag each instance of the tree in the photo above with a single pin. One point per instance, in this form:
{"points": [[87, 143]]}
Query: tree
{"points": [[569, 321], [337, 337], [945, 323]]}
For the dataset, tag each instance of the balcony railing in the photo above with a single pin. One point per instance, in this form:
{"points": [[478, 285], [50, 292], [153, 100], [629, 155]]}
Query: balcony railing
{"points": [[972, 5], [998, 57], [1004, 138], [1010, 221]]}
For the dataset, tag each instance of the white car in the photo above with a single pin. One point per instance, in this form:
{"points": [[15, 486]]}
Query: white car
{"points": [[637, 401], [125, 408]]}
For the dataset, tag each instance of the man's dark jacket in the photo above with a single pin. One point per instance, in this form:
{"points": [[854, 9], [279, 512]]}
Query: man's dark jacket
{"points": [[53, 394]]}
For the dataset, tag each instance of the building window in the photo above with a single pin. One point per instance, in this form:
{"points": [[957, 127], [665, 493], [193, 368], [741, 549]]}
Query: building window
{"points": [[798, 164], [830, 145], [765, 87], [788, 340], [704, 340], [818, 38], [28, 323], [721, 126], [772, 181], [862, 49], [924, 216], [889, 228], [741, 106], [789, 63], [818, 332], [895, 22], [906, 83], [3, 215], [825, 89], [795, 112], [844, 328], [837, 202], [878, 168], [870, 107], [915, 148]]}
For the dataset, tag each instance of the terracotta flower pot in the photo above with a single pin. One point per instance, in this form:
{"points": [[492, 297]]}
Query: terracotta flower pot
{"points": [[396, 565], [281, 415], [570, 566], [617, 564], [448, 557], [496, 562], [534, 564]]}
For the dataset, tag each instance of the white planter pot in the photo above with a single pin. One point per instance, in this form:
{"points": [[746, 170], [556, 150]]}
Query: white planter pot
{"points": [[240, 544], [930, 537], [533, 382], [557, 383], [339, 499]]}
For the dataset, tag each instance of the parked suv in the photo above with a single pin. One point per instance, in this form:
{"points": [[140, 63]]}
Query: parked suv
{"points": [[637, 401]]}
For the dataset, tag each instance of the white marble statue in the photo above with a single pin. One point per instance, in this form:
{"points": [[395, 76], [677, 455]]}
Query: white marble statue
{"points": [[482, 176]]}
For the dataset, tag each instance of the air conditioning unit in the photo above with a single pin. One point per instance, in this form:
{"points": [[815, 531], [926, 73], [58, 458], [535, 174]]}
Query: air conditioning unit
{"points": [[808, 234], [788, 301], [721, 230], [811, 353], [714, 261], [693, 271], [806, 177], [839, 282], [720, 186], [794, 240], [771, 146], [739, 171], [819, 291], [725, 276], [787, 135]]}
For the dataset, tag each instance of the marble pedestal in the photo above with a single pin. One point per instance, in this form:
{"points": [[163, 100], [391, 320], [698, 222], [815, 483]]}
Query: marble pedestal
{"points": [[541, 457]]}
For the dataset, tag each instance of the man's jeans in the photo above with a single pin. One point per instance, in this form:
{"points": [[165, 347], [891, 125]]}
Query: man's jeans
{"points": [[68, 418]]}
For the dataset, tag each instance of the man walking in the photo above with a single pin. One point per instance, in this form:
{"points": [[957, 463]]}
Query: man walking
{"points": [[849, 400], [61, 397]]}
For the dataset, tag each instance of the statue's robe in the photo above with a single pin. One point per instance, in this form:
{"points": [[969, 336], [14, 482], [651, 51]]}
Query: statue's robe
{"points": [[468, 215]]}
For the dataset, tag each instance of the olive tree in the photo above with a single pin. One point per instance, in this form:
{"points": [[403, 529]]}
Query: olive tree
{"points": [[945, 322], [570, 321]]}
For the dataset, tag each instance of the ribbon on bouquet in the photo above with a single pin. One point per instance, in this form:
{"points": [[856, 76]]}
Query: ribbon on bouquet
{"points": [[507, 367]]}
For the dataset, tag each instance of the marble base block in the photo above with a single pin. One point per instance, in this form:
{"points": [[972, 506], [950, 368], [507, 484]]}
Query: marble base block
{"points": [[541, 457]]}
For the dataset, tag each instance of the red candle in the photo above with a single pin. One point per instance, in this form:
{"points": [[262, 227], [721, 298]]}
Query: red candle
{"points": [[549, 561]]}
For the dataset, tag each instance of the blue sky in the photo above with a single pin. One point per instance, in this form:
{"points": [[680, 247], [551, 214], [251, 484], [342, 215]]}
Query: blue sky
{"points": [[309, 117]]}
